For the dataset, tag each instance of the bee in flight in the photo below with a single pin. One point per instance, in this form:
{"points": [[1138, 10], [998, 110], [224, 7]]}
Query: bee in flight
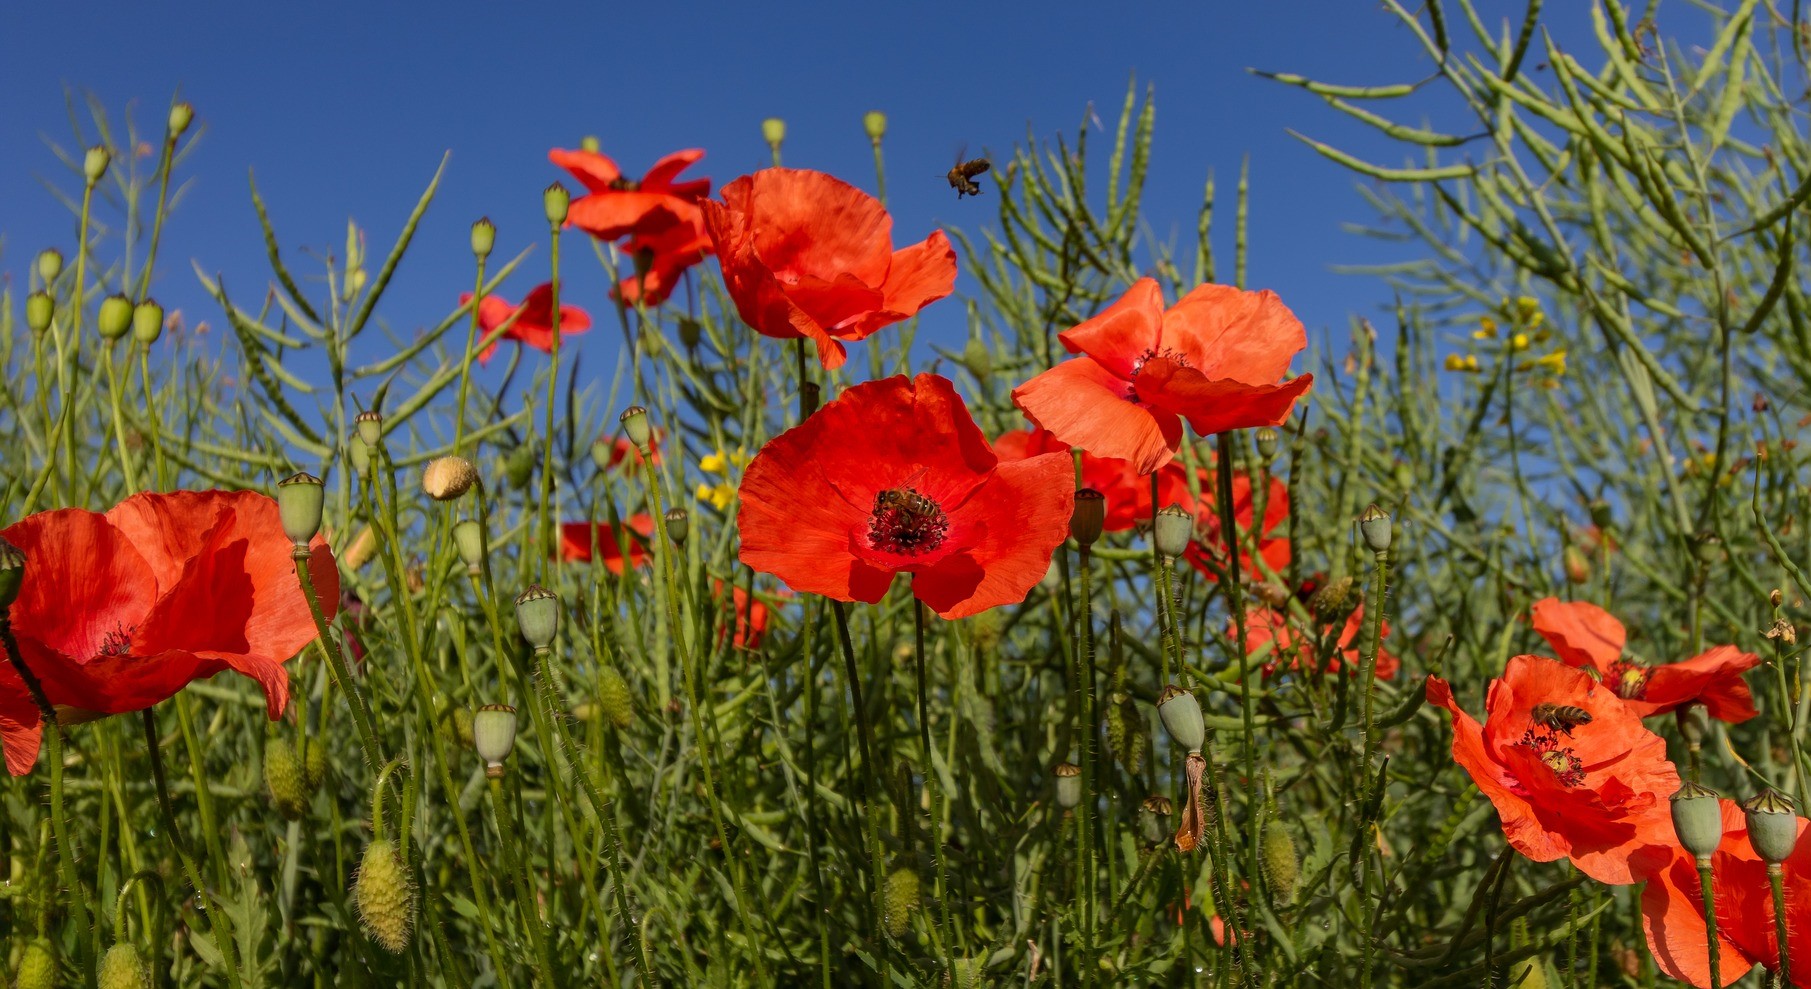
{"points": [[962, 177], [1560, 717]]}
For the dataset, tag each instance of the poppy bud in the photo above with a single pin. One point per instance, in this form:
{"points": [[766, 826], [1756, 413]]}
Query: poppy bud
{"points": [[359, 455], [773, 131], [446, 478], [636, 427], [1697, 820], [459, 726], [40, 308], [1578, 566], [1332, 599], [286, 779], [123, 968], [977, 358], [900, 899], [1600, 513], [1154, 819], [590, 143], [1174, 528], [678, 522], [538, 615], [601, 452], [484, 237], [370, 425], [614, 698], [875, 123], [1090, 516], [1126, 737], [1708, 547], [691, 332], [94, 163], [115, 317], [1267, 443], [37, 967], [50, 264], [385, 897], [147, 322], [494, 735], [1774, 597], [1374, 525], [1181, 714], [12, 573], [468, 537], [518, 467], [181, 115], [1694, 723], [314, 766], [556, 201], [1282, 866], [1068, 785], [1772, 826], [299, 500]]}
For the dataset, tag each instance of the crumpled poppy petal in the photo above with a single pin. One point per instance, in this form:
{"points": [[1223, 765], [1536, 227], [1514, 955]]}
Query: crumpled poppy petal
{"points": [[1083, 404], [618, 214], [1121, 336], [1217, 405], [667, 169], [89, 582], [1581, 633], [1233, 334], [1713, 678], [811, 223]]}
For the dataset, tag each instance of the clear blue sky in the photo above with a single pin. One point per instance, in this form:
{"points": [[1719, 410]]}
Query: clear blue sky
{"points": [[344, 109]]}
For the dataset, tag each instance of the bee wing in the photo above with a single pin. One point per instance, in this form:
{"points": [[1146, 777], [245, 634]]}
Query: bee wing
{"points": [[917, 475]]}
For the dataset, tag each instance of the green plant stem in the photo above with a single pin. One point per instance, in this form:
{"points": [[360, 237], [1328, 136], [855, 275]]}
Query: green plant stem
{"points": [[543, 523], [465, 367], [164, 162], [933, 787], [865, 786], [1090, 725], [336, 663], [1776, 879], [1710, 921], [502, 810], [212, 920]]}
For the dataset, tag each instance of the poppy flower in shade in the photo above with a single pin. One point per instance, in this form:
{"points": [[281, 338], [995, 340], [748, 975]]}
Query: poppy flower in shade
{"points": [[615, 206], [576, 539], [1594, 792], [806, 254], [1128, 492], [1268, 632], [121, 610], [747, 618], [533, 319], [895, 477], [1208, 552], [1216, 359], [1587, 636], [666, 255]]}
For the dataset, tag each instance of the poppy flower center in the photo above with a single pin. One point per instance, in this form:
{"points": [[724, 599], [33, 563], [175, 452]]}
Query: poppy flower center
{"points": [[1629, 680], [1148, 356], [906, 522], [1569, 769], [625, 185]]}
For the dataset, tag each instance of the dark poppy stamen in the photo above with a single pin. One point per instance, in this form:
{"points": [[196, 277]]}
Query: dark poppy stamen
{"points": [[1628, 680], [625, 185], [907, 523], [1568, 768], [117, 642]]}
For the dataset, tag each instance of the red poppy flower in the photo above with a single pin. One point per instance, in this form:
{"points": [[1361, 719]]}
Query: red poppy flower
{"points": [[121, 610], [1588, 636], [576, 537], [615, 206], [894, 477], [805, 254], [666, 254], [1215, 359], [622, 450], [1595, 792], [1208, 552], [533, 319], [1128, 492], [748, 619], [1268, 632]]}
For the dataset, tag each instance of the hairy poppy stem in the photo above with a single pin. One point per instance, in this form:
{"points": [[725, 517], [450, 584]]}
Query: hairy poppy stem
{"points": [[864, 786], [503, 811], [1776, 878], [1090, 772], [336, 663], [1710, 921]]}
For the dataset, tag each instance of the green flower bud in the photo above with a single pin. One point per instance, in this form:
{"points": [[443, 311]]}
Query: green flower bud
{"points": [[12, 573], [636, 426], [1126, 737], [1600, 513], [459, 725], [556, 201], [123, 968], [360, 457], [978, 358], [602, 450], [1090, 515], [446, 478], [1181, 716], [94, 163], [494, 735], [181, 115], [1068, 785], [468, 537], [1267, 443], [773, 131], [50, 264], [900, 899], [875, 123], [40, 309], [691, 332], [538, 615], [1697, 820], [286, 778], [37, 967], [1374, 525], [370, 425], [115, 317], [147, 322], [314, 766], [1332, 600], [1174, 529], [518, 467], [1154, 819], [1578, 566], [1772, 825], [614, 698], [484, 237], [678, 524], [299, 500], [385, 897], [590, 143], [1282, 865], [1708, 547]]}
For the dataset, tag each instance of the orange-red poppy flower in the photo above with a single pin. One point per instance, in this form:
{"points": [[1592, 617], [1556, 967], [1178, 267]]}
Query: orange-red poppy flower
{"points": [[624, 451], [1284, 649], [1588, 636], [1128, 492], [1215, 359], [1208, 552], [895, 477], [1595, 792], [576, 540], [746, 624], [615, 206], [806, 254], [533, 319], [661, 257], [121, 610]]}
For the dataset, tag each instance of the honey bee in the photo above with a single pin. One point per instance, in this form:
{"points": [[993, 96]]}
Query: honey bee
{"points": [[1560, 717], [905, 498], [962, 177]]}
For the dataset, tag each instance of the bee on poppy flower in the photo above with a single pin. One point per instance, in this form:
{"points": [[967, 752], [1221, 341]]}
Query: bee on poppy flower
{"points": [[906, 498], [1560, 717], [962, 176]]}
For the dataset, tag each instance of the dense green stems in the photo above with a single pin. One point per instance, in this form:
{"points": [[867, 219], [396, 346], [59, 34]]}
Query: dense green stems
{"points": [[1090, 726], [1373, 631], [336, 663], [1776, 880], [933, 786], [865, 784], [114, 394], [503, 812], [212, 920], [1235, 597]]}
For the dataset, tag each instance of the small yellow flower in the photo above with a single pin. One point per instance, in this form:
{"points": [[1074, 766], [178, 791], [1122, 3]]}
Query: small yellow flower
{"points": [[1487, 329], [719, 495], [1519, 342], [1554, 363], [1454, 362], [723, 492], [1527, 306], [1471, 363]]}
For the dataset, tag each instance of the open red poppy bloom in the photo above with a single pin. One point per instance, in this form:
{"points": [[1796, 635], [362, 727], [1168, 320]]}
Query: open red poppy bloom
{"points": [[623, 451], [533, 319], [1207, 553], [1588, 636], [616, 206], [1215, 359], [1593, 792], [121, 610], [1268, 633], [806, 254], [576, 540], [894, 477], [666, 255], [1128, 492]]}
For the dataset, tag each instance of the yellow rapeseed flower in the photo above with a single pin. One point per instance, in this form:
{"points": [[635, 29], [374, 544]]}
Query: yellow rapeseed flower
{"points": [[723, 492], [1487, 329], [1519, 342], [1554, 363]]}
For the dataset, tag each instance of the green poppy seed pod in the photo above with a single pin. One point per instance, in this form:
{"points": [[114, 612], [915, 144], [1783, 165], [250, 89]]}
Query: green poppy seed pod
{"points": [[1068, 785], [1181, 715], [1282, 865], [1600, 513], [1708, 547], [459, 726], [40, 309], [115, 317], [614, 698], [494, 735], [468, 537], [94, 163], [299, 500], [37, 967], [1697, 820], [370, 425], [1267, 443], [1089, 517], [181, 116], [555, 200], [875, 123], [1374, 525], [1154, 819], [360, 456], [1174, 528], [977, 358], [385, 897], [446, 478], [900, 898], [286, 779], [314, 766], [678, 524], [1772, 825], [691, 332], [601, 452], [50, 264], [1694, 724], [590, 143], [12, 573], [123, 968], [518, 467], [147, 322], [484, 237], [1333, 599], [636, 426], [538, 615], [773, 131]]}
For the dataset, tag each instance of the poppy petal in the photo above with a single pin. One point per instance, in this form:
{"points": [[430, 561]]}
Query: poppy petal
{"points": [[99, 586], [1122, 335], [596, 171], [616, 214], [1713, 678], [810, 223], [1017, 517], [1234, 334], [1216, 405], [920, 275], [1581, 633], [1084, 404], [667, 169]]}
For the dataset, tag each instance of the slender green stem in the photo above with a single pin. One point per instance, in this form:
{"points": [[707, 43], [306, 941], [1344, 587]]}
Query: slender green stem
{"points": [[502, 811], [164, 163], [465, 367], [1776, 878], [543, 524], [933, 787], [1710, 921], [1090, 726], [336, 663], [864, 781], [211, 920]]}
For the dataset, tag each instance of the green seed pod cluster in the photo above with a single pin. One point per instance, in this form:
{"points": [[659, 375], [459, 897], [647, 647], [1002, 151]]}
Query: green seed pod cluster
{"points": [[614, 698], [123, 968], [37, 967], [968, 973], [1282, 865], [1127, 737], [900, 899], [314, 765], [286, 778], [386, 900]]}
